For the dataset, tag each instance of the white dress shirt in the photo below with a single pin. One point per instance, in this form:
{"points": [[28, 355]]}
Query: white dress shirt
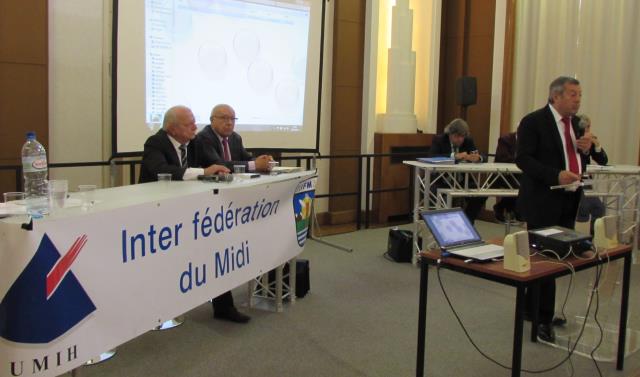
{"points": [[560, 125], [191, 173]]}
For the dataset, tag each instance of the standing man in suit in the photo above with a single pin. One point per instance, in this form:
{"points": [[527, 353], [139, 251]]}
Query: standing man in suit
{"points": [[457, 143], [173, 150], [220, 144], [549, 152]]}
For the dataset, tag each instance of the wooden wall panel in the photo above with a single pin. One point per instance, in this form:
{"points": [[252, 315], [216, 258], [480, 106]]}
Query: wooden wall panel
{"points": [[346, 105], [507, 74], [467, 47], [23, 104], [23, 79], [23, 31], [348, 71], [390, 174]]}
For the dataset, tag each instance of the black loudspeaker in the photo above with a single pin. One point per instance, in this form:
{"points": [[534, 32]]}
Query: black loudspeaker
{"points": [[303, 283], [399, 247], [466, 87]]}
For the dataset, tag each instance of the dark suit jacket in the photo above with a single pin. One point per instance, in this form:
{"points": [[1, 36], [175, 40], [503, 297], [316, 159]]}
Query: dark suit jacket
{"points": [[160, 157], [540, 156], [210, 149], [441, 146], [600, 158], [506, 150]]}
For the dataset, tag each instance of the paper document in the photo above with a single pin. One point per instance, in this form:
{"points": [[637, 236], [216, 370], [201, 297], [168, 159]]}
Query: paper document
{"points": [[547, 232]]}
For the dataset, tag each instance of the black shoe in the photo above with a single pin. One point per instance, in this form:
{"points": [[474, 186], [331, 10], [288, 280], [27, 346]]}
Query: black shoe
{"points": [[499, 213], [546, 333], [558, 322], [231, 314]]}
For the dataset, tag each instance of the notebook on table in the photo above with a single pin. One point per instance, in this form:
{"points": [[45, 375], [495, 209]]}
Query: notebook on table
{"points": [[285, 169], [455, 234], [438, 160]]}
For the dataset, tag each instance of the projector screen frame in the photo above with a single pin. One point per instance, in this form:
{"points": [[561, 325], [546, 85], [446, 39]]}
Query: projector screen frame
{"points": [[114, 93]]}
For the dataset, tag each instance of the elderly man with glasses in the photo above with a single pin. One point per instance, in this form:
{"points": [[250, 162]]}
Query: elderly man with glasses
{"points": [[220, 144]]}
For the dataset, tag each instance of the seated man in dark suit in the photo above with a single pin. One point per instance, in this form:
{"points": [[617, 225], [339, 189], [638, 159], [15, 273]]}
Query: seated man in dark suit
{"points": [[173, 150], [457, 143], [220, 144]]}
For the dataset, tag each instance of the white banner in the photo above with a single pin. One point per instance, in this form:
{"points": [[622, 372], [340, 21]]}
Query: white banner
{"points": [[77, 286]]}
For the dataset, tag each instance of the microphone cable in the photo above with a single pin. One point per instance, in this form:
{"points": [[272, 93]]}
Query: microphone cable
{"points": [[571, 349]]}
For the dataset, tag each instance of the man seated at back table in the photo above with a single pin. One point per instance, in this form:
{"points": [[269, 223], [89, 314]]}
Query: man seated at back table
{"points": [[457, 143], [220, 144], [174, 150], [506, 152]]}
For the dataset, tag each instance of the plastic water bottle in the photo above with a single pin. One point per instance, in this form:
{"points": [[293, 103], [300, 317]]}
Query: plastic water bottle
{"points": [[34, 169]]}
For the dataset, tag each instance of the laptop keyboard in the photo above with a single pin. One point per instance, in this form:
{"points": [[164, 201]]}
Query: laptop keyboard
{"points": [[484, 251]]}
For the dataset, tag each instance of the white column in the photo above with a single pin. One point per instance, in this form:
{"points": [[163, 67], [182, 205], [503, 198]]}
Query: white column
{"points": [[400, 116]]}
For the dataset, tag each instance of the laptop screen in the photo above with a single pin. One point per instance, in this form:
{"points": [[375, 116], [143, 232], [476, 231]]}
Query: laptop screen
{"points": [[450, 227]]}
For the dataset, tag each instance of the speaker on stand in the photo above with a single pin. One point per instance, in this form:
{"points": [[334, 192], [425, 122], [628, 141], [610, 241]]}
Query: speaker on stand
{"points": [[466, 93], [516, 252]]}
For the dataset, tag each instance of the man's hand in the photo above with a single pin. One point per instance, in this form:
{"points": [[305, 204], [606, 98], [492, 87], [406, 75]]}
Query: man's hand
{"points": [[565, 177], [584, 143], [216, 169], [461, 156], [262, 162], [473, 156]]}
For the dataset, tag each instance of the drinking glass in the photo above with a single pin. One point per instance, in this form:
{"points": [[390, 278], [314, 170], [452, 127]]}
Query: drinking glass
{"points": [[87, 195], [14, 196], [58, 189], [164, 178]]}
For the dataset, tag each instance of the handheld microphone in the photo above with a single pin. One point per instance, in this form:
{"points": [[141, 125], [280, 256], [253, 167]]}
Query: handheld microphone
{"points": [[583, 124]]}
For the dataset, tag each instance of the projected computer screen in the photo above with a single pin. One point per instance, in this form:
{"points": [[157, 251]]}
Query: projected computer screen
{"points": [[262, 57], [450, 227]]}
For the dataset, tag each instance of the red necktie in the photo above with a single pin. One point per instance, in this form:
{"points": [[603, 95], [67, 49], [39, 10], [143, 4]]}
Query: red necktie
{"points": [[225, 145], [568, 144]]}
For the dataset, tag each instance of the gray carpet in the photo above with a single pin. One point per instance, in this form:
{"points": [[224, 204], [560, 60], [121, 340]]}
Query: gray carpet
{"points": [[360, 319]]}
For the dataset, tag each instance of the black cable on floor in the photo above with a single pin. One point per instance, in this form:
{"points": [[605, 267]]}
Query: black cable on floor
{"points": [[572, 349], [596, 292]]}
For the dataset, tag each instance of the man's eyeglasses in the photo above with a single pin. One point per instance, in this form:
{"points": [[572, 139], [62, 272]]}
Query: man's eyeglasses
{"points": [[226, 119]]}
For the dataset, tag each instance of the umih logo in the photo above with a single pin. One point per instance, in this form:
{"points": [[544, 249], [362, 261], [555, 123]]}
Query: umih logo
{"points": [[302, 206], [46, 300]]}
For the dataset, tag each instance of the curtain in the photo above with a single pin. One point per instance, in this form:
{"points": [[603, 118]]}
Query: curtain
{"points": [[595, 41]]}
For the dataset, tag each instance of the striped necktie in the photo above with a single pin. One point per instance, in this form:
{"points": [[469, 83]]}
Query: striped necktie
{"points": [[225, 146], [183, 155]]}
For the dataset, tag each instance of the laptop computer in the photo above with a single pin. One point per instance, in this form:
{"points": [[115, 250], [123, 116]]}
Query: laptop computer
{"points": [[455, 234]]}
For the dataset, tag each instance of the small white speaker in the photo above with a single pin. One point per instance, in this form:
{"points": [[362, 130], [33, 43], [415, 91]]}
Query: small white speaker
{"points": [[516, 252], [605, 232]]}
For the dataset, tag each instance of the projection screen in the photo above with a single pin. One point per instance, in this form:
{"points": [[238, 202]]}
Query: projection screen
{"points": [[262, 57]]}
